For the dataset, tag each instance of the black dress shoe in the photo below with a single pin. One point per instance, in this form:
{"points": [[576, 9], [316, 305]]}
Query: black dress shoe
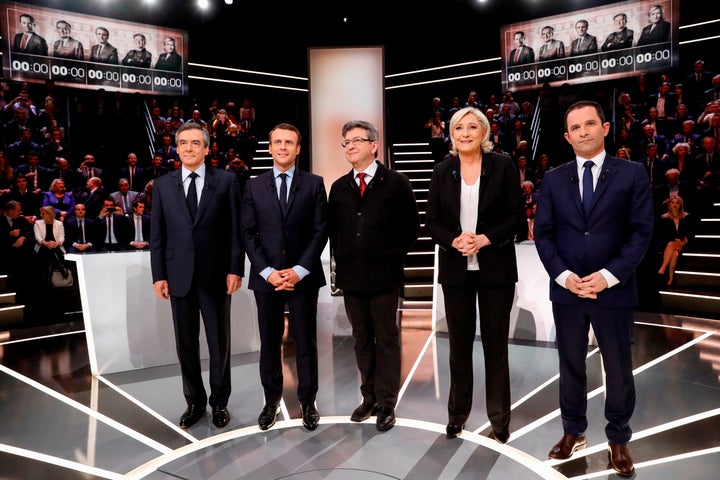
{"points": [[385, 418], [310, 416], [192, 414], [620, 459], [452, 430], [220, 416], [268, 416], [364, 411], [499, 437], [567, 445]]}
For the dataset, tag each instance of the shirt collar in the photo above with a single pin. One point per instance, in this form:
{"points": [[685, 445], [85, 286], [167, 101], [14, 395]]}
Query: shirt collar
{"points": [[200, 171], [290, 172], [369, 171], [598, 160]]}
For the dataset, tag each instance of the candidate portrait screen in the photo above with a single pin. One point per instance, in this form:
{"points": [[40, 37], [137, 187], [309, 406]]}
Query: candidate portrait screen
{"points": [[599, 44], [85, 51]]}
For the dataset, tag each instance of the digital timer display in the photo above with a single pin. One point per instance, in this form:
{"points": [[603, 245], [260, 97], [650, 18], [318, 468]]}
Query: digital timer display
{"points": [[604, 43], [84, 51]]}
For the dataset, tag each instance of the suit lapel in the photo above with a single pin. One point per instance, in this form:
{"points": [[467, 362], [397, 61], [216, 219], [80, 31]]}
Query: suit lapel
{"points": [[180, 194], [295, 185], [272, 191]]}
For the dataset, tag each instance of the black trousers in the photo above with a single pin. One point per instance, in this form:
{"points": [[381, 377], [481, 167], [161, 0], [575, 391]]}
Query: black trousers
{"points": [[373, 317], [461, 307], [215, 308]]}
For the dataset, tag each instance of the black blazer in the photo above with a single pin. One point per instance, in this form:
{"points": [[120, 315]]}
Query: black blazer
{"points": [[501, 216], [277, 241], [371, 236]]}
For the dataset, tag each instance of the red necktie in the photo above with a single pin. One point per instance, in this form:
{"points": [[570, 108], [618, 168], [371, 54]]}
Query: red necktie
{"points": [[23, 44], [363, 185], [517, 55]]}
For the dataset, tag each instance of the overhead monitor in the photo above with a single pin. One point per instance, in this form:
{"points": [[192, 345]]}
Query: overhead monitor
{"points": [[598, 44], [85, 51]]}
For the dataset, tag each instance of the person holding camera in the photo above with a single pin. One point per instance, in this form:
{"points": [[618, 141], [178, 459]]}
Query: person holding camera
{"points": [[112, 228], [88, 169]]}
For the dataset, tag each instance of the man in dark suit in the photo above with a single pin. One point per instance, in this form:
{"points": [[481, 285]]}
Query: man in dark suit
{"points": [[585, 43], [135, 175], [139, 226], [197, 262], [664, 100], [31, 200], [38, 177], [521, 54], [284, 235], [594, 224], [621, 38], [373, 223], [138, 57], [79, 231], [112, 229], [103, 51], [16, 249], [27, 41], [124, 197]]}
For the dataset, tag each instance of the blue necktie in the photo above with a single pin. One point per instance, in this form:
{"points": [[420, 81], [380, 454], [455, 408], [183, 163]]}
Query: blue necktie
{"points": [[587, 186]]}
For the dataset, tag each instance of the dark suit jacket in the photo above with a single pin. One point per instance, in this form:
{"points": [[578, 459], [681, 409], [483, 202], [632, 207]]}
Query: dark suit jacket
{"points": [[277, 241], [206, 250], [109, 54], [589, 45], [36, 45], [615, 236], [388, 223], [659, 34], [618, 40], [120, 228], [527, 55], [501, 216], [93, 202], [145, 227], [72, 233], [169, 61]]}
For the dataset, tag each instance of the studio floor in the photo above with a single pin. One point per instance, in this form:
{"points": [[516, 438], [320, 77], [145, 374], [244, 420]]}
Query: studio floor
{"points": [[60, 422]]}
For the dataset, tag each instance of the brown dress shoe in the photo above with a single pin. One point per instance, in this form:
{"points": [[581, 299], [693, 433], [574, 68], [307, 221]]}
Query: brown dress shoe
{"points": [[567, 445], [620, 459]]}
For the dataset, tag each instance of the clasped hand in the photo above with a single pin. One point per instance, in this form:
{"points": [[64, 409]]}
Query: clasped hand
{"points": [[284, 279], [588, 286], [469, 244]]}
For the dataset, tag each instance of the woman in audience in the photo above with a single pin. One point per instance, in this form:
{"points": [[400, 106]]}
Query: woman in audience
{"points": [[58, 198], [49, 238], [674, 229], [146, 196]]}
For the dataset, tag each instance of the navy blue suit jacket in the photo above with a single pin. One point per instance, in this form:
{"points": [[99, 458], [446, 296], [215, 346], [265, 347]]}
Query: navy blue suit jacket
{"points": [[277, 241], [615, 236], [204, 251]]}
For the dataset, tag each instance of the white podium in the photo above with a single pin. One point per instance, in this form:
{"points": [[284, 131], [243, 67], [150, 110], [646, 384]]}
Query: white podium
{"points": [[128, 327]]}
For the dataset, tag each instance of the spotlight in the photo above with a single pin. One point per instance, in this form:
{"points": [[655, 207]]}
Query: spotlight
{"points": [[228, 2]]}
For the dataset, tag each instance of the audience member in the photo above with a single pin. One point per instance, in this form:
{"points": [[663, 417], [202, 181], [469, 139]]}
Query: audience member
{"points": [[139, 223], [93, 197], [79, 231], [60, 199], [112, 228], [49, 239], [16, 250], [674, 230], [23, 194], [124, 197]]}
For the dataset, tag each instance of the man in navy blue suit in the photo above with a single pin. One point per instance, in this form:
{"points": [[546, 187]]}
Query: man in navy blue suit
{"points": [[197, 262], [593, 225], [284, 230]]}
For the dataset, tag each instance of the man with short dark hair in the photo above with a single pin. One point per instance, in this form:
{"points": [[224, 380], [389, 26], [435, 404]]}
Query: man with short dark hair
{"points": [[26, 40]]}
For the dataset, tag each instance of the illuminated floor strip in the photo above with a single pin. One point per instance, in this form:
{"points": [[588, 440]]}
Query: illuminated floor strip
{"points": [[61, 462], [87, 410]]}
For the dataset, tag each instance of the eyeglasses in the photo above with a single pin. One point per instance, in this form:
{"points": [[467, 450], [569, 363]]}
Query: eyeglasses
{"points": [[355, 141]]}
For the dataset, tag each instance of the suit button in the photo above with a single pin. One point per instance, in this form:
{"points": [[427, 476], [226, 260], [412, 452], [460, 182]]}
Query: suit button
{"points": [[357, 234], [359, 214], [587, 234]]}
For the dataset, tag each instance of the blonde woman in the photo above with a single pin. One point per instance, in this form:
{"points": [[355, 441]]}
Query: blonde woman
{"points": [[675, 228]]}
